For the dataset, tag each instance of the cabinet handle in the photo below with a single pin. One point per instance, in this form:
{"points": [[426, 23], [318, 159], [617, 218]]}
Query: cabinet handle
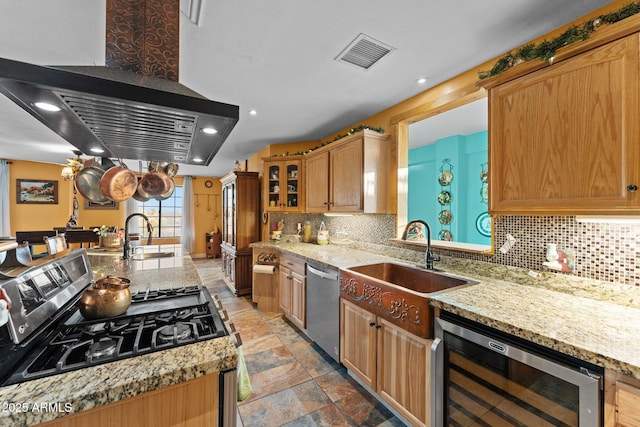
{"points": [[325, 203], [632, 188], [378, 326], [372, 323]]}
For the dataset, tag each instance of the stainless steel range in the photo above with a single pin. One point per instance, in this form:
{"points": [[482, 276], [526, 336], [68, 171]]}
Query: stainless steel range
{"points": [[46, 334]]}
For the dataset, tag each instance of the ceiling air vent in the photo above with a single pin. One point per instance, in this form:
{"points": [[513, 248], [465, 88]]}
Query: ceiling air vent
{"points": [[364, 52]]}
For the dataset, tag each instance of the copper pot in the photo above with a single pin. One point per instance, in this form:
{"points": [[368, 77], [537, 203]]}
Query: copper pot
{"points": [[108, 297], [141, 195], [118, 183], [168, 193], [155, 183]]}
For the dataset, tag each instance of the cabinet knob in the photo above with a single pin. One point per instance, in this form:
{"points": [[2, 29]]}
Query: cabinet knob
{"points": [[378, 326], [632, 188], [372, 323], [325, 203]]}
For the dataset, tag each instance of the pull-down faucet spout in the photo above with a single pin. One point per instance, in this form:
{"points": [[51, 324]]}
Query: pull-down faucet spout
{"points": [[127, 243]]}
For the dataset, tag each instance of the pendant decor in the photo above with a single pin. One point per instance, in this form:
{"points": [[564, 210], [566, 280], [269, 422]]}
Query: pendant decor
{"points": [[445, 217]]}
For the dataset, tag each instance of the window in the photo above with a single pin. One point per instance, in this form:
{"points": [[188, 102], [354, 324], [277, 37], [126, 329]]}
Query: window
{"points": [[164, 215]]}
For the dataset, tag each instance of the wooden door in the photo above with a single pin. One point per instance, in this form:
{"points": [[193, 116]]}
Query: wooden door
{"points": [[628, 404], [317, 179], [298, 300], [358, 342], [564, 139], [346, 166], [403, 372], [284, 280]]}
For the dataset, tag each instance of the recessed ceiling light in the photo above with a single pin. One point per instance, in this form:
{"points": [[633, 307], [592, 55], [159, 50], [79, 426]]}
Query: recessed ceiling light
{"points": [[253, 112], [46, 106], [422, 80], [197, 160], [96, 150], [209, 131]]}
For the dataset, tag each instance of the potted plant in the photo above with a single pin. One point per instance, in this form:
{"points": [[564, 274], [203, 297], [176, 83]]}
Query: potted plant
{"points": [[110, 237]]}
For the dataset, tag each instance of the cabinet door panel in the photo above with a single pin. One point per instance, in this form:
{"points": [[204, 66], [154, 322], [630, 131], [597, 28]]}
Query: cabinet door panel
{"points": [[317, 173], [628, 403], [346, 176], [358, 342], [285, 290], [403, 371], [564, 139], [298, 300]]}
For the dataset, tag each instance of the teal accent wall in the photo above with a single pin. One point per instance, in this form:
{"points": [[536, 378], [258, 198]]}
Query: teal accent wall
{"points": [[467, 153]]}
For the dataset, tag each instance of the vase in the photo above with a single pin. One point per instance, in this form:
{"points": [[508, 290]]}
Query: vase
{"points": [[110, 240]]}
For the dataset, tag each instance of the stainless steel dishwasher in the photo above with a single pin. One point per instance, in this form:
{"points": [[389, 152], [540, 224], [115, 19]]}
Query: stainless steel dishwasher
{"points": [[323, 308]]}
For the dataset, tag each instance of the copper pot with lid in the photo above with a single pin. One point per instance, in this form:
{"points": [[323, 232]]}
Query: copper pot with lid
{"points": [[108, 297]]}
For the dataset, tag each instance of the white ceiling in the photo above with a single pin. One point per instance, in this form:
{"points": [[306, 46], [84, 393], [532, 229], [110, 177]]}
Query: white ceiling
{"points": [[277, 57]]}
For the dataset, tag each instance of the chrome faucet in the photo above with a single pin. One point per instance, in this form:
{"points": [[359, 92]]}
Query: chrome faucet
{"points": [[429, 258], [127, 243]]}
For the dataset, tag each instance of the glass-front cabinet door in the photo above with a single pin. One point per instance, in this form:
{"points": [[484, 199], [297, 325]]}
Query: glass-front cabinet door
{"points": [[228, 210], [283, 185]]}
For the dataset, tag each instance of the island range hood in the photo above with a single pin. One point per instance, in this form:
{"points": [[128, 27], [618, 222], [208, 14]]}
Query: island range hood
{"points": [[128, 115]]}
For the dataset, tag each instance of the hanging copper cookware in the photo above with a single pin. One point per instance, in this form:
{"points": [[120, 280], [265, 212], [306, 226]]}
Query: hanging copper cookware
{"points": [[87, 182], [118, 183], [141, 195], [168, 193], [171, 170], [155, 182]]}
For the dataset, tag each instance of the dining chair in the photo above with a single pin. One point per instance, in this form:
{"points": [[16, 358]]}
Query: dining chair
{"points": [[56, 244], [34, 238], [88, 237]]}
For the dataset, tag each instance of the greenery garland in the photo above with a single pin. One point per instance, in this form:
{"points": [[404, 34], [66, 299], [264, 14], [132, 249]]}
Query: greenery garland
{"points": [[350, 132], [546, 49]]}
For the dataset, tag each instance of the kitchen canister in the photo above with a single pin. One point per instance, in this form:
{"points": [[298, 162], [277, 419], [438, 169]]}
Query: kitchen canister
{"points": [[323, 234]]}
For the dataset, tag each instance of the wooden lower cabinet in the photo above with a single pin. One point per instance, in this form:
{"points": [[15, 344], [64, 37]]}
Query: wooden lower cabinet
{"points": [[622, 400], [190, 404], [293, 290], [391, 361], [236, 269]]}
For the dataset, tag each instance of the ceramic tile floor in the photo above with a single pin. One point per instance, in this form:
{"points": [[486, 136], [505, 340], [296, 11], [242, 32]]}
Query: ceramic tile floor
{"points": [[294, 382]]}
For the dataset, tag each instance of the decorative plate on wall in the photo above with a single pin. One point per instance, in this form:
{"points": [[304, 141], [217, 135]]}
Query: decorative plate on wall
{"points": [[445, 217], [483, 224], [445, 235], [445, 178], [444, 198], [208, 183]]}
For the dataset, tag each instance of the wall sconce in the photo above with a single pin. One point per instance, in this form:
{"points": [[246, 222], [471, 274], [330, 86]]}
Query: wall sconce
{"points": [[67, 173]]}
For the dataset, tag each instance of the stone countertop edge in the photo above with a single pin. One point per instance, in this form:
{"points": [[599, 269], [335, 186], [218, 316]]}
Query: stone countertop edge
{"points": [[598, 322], [100, 385]]}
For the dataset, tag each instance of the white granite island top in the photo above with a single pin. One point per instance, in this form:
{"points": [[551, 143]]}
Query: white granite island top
{"points": [[80, 390], [594, 321]]}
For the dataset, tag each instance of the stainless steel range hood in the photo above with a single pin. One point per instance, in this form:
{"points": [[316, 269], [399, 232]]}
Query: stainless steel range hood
{"points": [[128, 115]]}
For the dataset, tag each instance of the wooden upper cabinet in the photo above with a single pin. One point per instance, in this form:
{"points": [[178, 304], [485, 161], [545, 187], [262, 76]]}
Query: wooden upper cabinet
{"points": [[283, 183], [349, 175], [317, 167], [564, 139]]}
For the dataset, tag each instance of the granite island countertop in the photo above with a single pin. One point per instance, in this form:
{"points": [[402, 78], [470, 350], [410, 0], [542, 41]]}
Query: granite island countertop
{"points": [[591, 320], [99, 385]]}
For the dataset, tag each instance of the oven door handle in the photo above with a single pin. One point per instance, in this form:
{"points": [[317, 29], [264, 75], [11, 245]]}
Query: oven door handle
{"points": [[437, 381]]}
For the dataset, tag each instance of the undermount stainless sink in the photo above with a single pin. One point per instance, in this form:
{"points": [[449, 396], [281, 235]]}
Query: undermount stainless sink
{"points": [[397, 293], [140, 257]]}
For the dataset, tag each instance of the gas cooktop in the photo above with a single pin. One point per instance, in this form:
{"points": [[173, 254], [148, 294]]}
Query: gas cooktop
{"points": [[157, 319]]}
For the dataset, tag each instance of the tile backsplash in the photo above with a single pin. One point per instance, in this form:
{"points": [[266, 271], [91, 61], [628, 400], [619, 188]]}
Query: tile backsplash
{"points": [[605, 252]]}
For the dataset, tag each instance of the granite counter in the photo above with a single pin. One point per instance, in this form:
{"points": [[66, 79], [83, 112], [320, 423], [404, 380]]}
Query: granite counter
{"points": [[594, 321], [24, 404]]}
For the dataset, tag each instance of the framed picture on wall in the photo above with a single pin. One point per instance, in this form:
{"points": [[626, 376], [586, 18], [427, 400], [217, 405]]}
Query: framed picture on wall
{"points": [[37, 191], [88, 204]]}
